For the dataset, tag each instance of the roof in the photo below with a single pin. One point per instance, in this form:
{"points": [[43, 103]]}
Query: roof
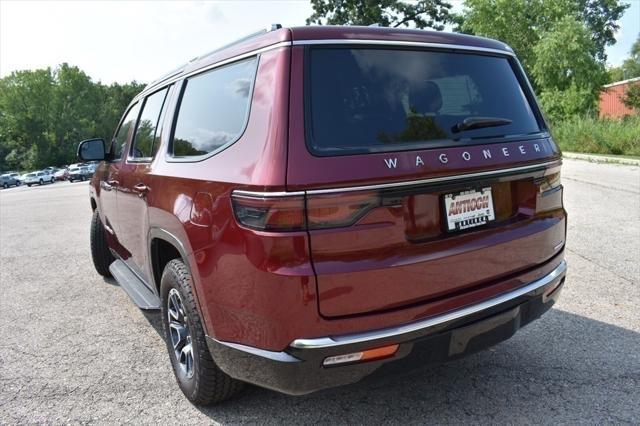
{"points": [[283, 36], [618, 83]]}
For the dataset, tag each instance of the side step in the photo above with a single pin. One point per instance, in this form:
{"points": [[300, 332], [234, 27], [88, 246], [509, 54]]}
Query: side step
{"points": [[135, 288]]}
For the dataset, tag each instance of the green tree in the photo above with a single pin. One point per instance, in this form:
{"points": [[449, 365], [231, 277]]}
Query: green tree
{"points": [[25, 105], [615, 74], [632, 97], [388, 13], [115, 99], [45, 113], [630, 68], [566, 70], [75, 104], [522, 23], [631, 65], [561, 44], [565, 56]]}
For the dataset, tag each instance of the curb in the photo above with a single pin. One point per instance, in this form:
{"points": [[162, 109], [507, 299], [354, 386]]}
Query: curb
{"points": [[593, 158]]}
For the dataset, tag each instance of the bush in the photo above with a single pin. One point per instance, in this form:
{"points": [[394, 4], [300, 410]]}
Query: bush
{"points": [[599, 136]]}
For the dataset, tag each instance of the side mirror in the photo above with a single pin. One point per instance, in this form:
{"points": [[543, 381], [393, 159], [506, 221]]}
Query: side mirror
{"points": [[92, 150]]}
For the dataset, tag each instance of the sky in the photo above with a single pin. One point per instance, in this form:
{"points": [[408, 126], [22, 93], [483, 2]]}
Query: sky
{"points": [[120, 41]]}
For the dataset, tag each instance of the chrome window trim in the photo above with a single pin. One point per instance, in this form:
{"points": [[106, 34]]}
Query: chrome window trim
{"points": [[331, 342], [235, 58], [179, 76], [490, 173], [406, 43], [170, 157]]}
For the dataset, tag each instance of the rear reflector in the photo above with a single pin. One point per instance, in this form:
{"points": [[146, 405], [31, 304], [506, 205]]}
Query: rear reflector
{"points": [[368, 355]]}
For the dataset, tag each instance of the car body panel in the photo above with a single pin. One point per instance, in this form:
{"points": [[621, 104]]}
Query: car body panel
{"points": [[265, 289]]}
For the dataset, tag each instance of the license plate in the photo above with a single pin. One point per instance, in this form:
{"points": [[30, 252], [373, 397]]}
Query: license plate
{"points": [[468, 209]]}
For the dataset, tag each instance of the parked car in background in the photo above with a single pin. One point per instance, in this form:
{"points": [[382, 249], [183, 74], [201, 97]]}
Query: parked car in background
{"points": [[92, 165], [62, 174], [311, 203], [16, 176], [8, 180], [78, 173], [39, 178]]}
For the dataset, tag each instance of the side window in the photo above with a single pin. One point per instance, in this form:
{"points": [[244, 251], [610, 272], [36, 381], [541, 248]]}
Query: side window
{"points": [[214, 109], [147, 135], [120, 139]]}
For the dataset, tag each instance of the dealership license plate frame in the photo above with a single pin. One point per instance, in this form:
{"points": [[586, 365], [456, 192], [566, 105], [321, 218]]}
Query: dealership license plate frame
{"points": [[468, 219]]}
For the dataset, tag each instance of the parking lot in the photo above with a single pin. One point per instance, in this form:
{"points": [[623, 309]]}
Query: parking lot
{"points": [[73, 348]]}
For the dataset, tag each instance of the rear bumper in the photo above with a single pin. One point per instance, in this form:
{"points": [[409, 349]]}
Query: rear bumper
{"points": [[299, 369]]}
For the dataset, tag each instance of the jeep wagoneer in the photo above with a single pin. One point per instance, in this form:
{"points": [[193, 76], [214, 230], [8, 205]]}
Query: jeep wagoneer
{"points": [[309, 204]]}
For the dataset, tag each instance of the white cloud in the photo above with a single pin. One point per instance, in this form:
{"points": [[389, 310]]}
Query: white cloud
{"points": [[127, 40]]}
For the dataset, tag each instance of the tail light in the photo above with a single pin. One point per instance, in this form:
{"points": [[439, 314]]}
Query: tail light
{"points": [[336, 210], [287, 213], [549, 195], [548, 183], [284, 213]]}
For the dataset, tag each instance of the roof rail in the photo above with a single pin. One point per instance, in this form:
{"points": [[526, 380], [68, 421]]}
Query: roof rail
{"points": [[178, 70], [273, 27]]}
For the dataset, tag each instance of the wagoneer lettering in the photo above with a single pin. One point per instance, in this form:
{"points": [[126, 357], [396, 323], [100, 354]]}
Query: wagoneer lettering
{"points": [[309, 204], [443, 157]]}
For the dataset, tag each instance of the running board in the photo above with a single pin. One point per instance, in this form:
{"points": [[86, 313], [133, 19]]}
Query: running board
{"points": [[135, 288]]}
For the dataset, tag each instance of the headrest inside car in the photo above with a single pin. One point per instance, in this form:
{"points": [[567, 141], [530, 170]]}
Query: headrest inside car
{"points": [[425, 98]]}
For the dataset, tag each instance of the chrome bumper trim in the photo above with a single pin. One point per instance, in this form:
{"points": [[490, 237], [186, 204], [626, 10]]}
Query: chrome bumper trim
{"points": [[349, 339], [263, 353]]}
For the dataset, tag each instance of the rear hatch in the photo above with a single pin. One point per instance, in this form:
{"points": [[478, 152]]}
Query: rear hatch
{"points": [[426, 173]]}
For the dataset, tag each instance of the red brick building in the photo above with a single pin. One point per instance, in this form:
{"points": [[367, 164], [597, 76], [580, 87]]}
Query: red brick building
{"points": [[611, 99]]}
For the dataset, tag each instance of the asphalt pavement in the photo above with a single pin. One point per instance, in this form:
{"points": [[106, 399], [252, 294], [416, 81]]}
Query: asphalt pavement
{"points": [[74, 348]]}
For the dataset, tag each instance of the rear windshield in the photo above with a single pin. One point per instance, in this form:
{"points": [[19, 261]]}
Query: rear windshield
{"points": [[374, 100]]}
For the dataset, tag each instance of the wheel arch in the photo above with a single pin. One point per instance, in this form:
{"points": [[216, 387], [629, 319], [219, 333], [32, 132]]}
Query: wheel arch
{"points": [[164, 247]]}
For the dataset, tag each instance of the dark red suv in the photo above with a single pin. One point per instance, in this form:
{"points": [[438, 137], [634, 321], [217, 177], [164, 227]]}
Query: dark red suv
{"points": [[308, 204]]}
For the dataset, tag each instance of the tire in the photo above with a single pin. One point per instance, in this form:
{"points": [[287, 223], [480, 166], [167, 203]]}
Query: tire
{"points": [[5, 186], [100, 252], [53, 180], [41, 182], [29, 185], [82, 178], [207, 384]]}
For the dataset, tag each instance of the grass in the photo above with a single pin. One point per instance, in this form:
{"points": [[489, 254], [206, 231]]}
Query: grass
{"points": [[599, 136]]}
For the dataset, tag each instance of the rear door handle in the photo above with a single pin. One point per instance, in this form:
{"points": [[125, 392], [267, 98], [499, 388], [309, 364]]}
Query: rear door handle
{"points": [[109, 185], [141, 189]]}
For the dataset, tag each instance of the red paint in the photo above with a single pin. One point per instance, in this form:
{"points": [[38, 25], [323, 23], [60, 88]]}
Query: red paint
{"points": [[611, 104], [395, 265]]}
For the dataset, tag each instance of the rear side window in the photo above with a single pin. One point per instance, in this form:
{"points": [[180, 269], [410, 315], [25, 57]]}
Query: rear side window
{"points": [[147, 135], [120, 140], [214, 109], [374, 100]]}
